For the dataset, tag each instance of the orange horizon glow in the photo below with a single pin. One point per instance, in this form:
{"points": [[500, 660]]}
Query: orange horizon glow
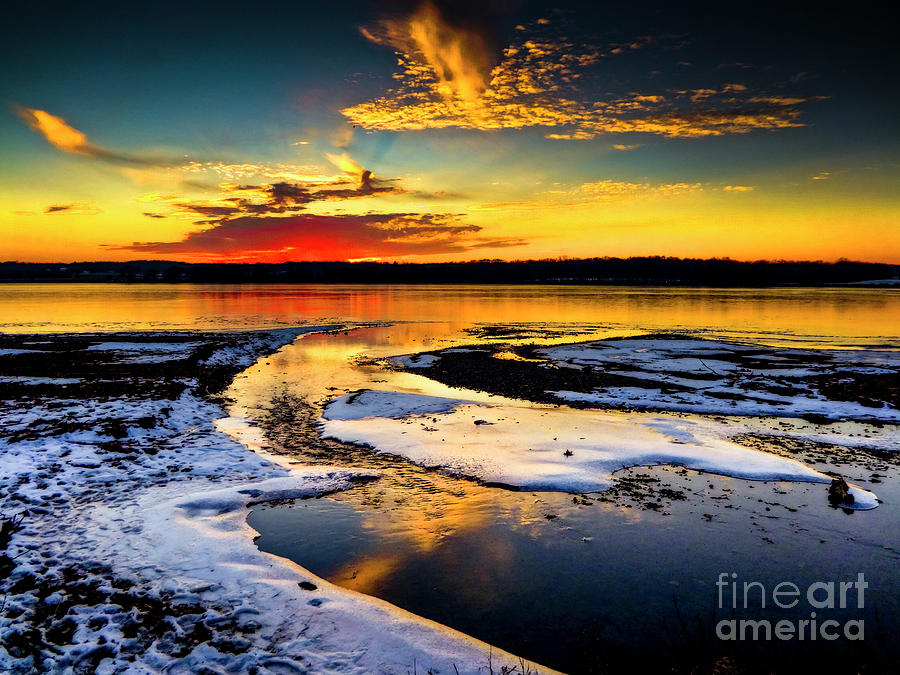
{"points": [[472, 151]]}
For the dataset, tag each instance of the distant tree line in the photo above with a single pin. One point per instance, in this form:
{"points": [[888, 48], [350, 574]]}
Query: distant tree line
{"points": [[648, 271]]}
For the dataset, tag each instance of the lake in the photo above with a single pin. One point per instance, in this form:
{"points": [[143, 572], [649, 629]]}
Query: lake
{"points": [[817, 316]]}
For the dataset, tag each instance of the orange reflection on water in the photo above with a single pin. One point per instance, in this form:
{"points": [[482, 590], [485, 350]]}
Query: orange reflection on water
{"points": [[817, 316], [425, 514]]}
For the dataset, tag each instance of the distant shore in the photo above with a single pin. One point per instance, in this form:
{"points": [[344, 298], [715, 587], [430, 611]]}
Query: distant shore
{"points": [[643, 271]]}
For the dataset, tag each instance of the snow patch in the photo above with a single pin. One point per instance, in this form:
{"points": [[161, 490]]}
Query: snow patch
{"points": [[35, 381], [538, 448], [416, 360], [160, 347], [394, 404], [709, 376]]}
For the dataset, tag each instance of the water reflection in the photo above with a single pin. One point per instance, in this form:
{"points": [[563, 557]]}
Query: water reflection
{"points": [[580, 585], [816, 316]]}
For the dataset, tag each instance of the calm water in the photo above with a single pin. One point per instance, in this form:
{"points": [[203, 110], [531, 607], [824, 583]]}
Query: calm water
{"points": [[829, 316]]}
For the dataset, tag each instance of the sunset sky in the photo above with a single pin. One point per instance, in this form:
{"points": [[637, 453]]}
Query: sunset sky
{"points": [[447, 131]]}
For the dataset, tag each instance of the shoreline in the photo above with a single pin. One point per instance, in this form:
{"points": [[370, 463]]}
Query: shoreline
{"points": [[174, 479], [134, 547]]}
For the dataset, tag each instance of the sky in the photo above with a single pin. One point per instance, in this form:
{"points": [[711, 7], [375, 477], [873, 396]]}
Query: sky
{"points": [[443, 131]]}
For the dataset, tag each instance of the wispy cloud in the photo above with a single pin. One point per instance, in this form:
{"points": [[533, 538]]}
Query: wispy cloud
{"points": [[81, 208], [197, 175], [350, 167], [63, 136], [607, 191], [452, 62], [618, 189]]}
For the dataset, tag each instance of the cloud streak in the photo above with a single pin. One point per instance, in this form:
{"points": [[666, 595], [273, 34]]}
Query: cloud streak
{"points": [[82, 208], [66, 138]]}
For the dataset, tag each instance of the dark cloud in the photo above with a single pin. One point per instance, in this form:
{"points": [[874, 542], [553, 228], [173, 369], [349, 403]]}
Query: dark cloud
{"points": [[277, 198], [82, 208], [153, 215], [289, 192], [366, 181], [208, 210], [326, 237]]}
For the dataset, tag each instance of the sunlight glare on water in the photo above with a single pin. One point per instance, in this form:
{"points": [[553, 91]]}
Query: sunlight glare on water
{"points": [[798, 316]]}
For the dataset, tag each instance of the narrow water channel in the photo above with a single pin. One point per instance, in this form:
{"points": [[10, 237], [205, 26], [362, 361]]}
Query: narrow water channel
{"points": [[574, 582]]}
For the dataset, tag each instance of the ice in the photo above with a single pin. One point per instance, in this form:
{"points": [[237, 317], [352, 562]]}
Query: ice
{"points": [[35, 381], [724, 377], [527, 447], [742, 403], [164, 347], [374, 403], [417, 360]]}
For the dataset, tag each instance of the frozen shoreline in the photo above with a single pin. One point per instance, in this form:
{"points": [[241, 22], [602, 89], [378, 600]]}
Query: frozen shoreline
{"points": [[545, 448], [663, 399], [132, 502]]}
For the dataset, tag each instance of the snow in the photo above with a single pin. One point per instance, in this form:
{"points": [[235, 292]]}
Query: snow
{"points": [[166, 510], [416, 360], [709, 376], [874, 282], [527, 447], [35, 381], [373, 403], [153, 347], [166, 507], [743, 403], [147, 352], [863, 500]]}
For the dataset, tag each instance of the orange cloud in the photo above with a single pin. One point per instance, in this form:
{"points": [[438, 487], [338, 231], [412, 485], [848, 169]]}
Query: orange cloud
{"points": [[611, 188], [445, 81], [457, 57], [326, 237], [345, 163], [349, 166], [57, 131], [63, 136]]}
